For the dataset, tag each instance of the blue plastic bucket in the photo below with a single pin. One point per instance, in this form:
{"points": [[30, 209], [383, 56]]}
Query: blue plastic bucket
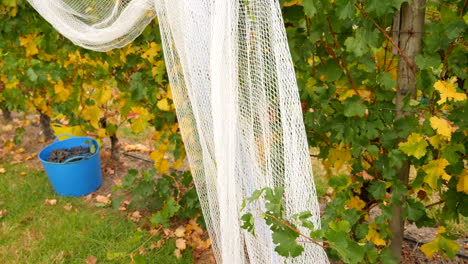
{"points": [[73, 177]]}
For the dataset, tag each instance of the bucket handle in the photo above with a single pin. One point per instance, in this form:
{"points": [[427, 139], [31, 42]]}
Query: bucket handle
{"points": [[75, 158], [61, 135]]}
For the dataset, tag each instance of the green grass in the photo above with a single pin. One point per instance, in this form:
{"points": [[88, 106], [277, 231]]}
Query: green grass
{"points": [[32, 232]]}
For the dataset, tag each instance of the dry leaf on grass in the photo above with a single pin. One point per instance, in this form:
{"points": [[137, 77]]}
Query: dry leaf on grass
{"points": [[168, 232], [50, 202], [180, 244], [135, 216], [68, 207], [180, 231], [157, 244], [3, 213], [23, 173], [177, 253], [103, 199], [91, 260]]}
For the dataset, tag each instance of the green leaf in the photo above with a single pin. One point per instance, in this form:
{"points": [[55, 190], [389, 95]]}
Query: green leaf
{"points": [[249, 222], [163, 216], [285, 239], [387, 257], [345, 9], [414, 209], [377, 189], [32, 75], [424, 61], [340, 226], [310, 8], [354, 106], [448, 246], [331, 71]]}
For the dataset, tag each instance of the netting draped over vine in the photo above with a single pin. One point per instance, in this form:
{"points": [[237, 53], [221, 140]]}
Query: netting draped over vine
{"points": [[237, 103]]}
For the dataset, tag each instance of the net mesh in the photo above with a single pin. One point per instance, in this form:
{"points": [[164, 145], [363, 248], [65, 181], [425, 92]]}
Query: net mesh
{"points": [[237, 103]]}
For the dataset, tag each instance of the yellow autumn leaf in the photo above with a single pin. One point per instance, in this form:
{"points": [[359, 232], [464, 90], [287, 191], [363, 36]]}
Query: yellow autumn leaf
{"points": [[429, 249], [61, 92], [441, 126], [27, 41], [101, 132], [103, 95], [437, 141], [374, 236], [163, 166], [93, 114], [163, 105], [462, 185], [292, 2], [158, 155], [178, 163], [140, 120], [356, 202], [447, 91], [365, 94], [434, 170], [151, 52], [415, 146], [441, 244], [10, 84], [338, 158]]}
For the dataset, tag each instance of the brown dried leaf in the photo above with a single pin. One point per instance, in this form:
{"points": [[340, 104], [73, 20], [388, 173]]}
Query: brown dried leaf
{"points": [[168, 232], [180, 231], [3, 213], [117, 182], [2, 170], [68, 207], [110, 171], [135, 216], [50, 202], [103, 199], [91, 260], [365, 175], [180, 244], [177, 253]]}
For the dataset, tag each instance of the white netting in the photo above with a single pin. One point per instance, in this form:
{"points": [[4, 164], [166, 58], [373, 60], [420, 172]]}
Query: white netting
{"points": [[237, 103]]}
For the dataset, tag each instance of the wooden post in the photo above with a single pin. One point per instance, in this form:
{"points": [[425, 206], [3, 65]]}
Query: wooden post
{"points": [[410, 23]]}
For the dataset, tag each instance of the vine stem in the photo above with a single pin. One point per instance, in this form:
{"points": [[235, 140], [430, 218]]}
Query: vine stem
{"points": [[434, 204], [343, 62], [403, 56], [311, 240], [463, 9]]}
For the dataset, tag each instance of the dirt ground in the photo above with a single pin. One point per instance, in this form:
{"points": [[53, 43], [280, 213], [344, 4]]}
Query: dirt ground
{"points": [[113, 171]]}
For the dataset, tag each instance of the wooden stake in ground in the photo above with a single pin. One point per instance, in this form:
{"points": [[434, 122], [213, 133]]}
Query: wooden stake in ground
{"points": [[410, 23]]}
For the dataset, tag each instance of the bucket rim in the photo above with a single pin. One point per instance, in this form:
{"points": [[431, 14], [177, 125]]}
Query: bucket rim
{"points": [[94, 142]]}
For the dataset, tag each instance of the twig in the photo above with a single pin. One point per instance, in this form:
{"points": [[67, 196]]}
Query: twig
{"points": [[297, 231], [462, 9], [403, 56], [436, 203]]}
